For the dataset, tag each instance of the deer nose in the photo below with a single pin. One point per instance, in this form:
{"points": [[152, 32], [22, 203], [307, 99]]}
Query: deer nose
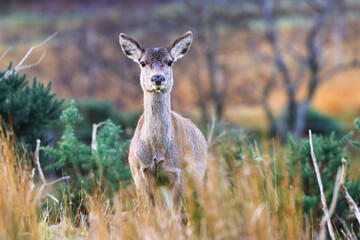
{"points": [[158, 79]]}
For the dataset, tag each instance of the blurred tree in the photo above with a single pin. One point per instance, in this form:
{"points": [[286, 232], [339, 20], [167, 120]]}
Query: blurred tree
{"points": [[293, 119], [209, 37], [211, 15]]}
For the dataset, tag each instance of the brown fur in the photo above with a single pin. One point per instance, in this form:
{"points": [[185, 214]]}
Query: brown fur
{"points": [[164, 144], [152, 55]]}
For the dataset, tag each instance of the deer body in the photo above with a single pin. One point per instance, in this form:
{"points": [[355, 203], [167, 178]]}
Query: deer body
{"points": [[164, 143]]}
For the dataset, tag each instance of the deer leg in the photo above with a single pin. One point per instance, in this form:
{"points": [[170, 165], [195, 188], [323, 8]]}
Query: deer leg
{"points": [[143, 182], [148, 186], [177, 197]]}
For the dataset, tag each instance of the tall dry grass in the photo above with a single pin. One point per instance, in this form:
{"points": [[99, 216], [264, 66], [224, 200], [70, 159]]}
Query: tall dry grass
{"points": [[18, 218], [252, 200]]}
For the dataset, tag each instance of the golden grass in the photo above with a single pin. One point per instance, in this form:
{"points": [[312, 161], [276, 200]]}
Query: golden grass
{"points": [[18, 218], [246, 202]]}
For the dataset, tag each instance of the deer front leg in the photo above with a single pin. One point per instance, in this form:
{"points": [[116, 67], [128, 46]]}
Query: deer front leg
{"points": [[148, 185], [177, 197], [142, 181]]}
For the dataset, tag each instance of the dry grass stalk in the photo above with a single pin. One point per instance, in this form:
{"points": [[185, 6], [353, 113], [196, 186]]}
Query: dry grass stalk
{"points": [[323, 200], [18, 218], [353, 207]]}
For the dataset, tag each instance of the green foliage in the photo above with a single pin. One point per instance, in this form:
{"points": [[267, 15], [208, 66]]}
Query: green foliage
{"points": [[321, 123], [94, 111], [357, 125], [328, 150], [29, 110], [230, 143], [89, 169]]}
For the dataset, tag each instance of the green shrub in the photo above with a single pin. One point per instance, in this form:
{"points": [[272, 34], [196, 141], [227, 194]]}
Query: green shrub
{"points": [[230, 143], [94, 111], [89, 169], [328, 150], [318, 122], [321, 123], [29, 110]]}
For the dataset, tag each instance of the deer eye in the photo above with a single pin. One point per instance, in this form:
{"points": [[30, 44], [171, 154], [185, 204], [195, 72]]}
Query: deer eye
{"points": [[142, 64], [170, 63]]}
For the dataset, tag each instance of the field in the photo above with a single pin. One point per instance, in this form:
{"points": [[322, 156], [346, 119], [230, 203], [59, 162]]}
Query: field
{"points": [[258, 76], [242, 201], [256, 196]]}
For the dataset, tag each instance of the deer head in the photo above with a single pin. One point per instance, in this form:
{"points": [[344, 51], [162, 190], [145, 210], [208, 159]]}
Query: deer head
{"points": [[156, 63]]}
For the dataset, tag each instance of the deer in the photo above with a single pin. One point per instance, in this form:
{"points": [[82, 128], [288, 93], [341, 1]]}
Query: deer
{"points": [[164, 144]]}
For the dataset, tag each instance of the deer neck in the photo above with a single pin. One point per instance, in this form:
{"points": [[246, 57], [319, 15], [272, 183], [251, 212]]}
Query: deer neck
{"points": [[158, 129]]}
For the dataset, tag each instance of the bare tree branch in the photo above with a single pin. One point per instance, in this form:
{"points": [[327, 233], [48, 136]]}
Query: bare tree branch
{"points": [[301, 72], [353, 207], [33, 48], [93, 135], [348, 235], [57, 180], [278, 57], [51, 196], [269, 85], [314, 50], [334, 199], [290, 49], [33, 64], [7, 50], [37, 161], [44, 183], [339, 68], [20, 65], [322, 195], [314, 5]]}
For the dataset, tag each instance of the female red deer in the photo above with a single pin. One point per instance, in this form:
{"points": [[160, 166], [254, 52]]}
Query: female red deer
{"points": [[164, 143]]}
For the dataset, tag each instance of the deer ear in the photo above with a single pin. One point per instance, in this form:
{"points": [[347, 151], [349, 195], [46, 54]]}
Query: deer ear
{"points": [[181, 45], [130, 47]]}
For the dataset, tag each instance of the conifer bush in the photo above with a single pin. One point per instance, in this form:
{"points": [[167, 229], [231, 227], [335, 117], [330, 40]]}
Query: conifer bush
{"points": [[328, 150], [28, 110], [90, 170], [93, 111]]}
